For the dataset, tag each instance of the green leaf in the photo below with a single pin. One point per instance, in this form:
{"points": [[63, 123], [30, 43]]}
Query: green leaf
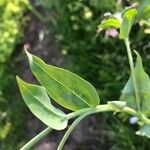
{"points": [[128, 18], [110, 23], [143, 85], [39, 103], [145, 14], [144, 131], [66, 88], [118, 105], [144, 10]]}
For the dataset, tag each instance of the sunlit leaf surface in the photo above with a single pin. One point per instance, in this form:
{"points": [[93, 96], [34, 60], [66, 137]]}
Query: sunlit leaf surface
{"points": [[66, 88]]}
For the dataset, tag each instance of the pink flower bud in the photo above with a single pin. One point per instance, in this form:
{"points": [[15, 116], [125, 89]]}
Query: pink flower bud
{"points": [[111, 33]]}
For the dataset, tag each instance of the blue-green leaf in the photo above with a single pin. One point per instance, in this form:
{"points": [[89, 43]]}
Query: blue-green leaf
{"points": [[144, 131], [39, 103], [143, 85], [66, 88], [128, 18]]}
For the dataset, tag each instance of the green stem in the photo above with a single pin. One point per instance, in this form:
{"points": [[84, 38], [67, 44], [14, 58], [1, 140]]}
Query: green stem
{"points": [[127, 43], [85, 112], [107, 108], [79, 112], [67, 134], [99, 108], [130, 111], [36, 139], [145, 119], [82, 114]]}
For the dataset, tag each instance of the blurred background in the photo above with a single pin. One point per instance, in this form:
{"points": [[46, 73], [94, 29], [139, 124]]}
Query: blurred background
{"points": [[64, 33]]}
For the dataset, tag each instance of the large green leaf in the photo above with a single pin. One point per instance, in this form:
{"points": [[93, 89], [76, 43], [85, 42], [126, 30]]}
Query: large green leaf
{"points": [[143, 85], [144, 131], [128, 18], [110, 23], [66, 88], [39, 103]]}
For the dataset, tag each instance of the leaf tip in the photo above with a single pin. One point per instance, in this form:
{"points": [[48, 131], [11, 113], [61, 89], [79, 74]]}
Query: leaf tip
{"points": [[136, 53], [27, 52], [17, 78], [138, 56], [19, 81]]}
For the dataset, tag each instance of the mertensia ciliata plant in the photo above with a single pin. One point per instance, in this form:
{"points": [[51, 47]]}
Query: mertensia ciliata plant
{"points": [[74, 93]]}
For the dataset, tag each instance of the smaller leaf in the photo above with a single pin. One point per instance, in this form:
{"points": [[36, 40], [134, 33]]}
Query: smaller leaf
{"points": [[110, 23], [39, 103], [118, 105], [144, 131], [128, 18], [143, 86]]}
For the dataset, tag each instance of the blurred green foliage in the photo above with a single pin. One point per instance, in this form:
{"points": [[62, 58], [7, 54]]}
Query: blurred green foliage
{"points": [[12, 23], [11, 12], [11, 109], [123, 137]]}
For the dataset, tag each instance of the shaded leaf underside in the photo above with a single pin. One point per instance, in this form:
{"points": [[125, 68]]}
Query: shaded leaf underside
{"points": [[39, 103]]}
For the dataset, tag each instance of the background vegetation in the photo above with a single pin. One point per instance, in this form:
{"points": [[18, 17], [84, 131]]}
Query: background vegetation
{"points": [[12, 22], [99, 59]]}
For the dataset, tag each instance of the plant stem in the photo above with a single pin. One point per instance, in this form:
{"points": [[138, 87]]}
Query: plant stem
{"points": [[145, 119], [36, 138], [91, 110], [79, 112], [65, 137], [127, 43], [85, 112], [99, 108], [82, 114], [107, 108]]}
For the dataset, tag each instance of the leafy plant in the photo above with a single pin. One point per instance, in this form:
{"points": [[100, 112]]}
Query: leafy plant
{"points": [[11, 14], [74, 93], [12, 24]]}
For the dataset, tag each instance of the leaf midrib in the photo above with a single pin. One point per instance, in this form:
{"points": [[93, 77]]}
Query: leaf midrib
{"points": [[62, 84]]}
